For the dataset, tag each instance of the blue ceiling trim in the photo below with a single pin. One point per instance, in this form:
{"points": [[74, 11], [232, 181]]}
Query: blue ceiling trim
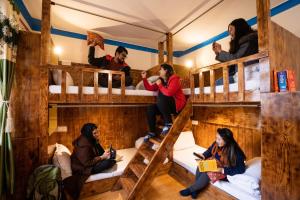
{"points": [[35, 24]]}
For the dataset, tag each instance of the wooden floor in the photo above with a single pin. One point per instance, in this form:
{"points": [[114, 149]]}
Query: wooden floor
{"points": [[162, 188]]}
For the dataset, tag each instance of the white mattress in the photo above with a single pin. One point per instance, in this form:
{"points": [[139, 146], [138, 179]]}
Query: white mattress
{"points": [[250, 85], [186, 159], [56, 89], [119, 167]]}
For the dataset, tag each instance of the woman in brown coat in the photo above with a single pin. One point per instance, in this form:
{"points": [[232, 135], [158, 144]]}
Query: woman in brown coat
{"points": [[88, 158]]}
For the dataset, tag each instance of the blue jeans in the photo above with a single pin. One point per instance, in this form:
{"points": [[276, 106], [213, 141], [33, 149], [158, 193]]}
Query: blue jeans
{"points": [[220, 80]]}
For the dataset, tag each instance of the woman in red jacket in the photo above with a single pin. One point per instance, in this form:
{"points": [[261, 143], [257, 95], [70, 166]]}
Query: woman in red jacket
{"points": [[170, 99]]}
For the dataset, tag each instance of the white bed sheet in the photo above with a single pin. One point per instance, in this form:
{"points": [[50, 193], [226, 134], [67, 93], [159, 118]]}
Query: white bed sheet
{"points": [[186, 159], [56, 89], [119, 167], [251, 85]]}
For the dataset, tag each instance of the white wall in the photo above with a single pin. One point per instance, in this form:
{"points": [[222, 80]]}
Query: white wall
{"points": [[76, 50], [203, 56]]}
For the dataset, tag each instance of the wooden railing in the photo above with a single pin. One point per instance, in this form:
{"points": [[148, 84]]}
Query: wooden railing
{"points": [[225, 67], [81, 70]]}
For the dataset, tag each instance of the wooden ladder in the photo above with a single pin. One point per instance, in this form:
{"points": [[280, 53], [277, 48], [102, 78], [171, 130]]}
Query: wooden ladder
{"points": [[138, 176]]}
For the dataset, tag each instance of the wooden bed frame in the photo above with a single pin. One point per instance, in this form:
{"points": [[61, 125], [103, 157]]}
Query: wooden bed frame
{"points": [[186, 178], [242, 96]]}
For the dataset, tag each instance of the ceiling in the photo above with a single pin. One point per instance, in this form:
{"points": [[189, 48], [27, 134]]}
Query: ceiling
{"points": [[164, 16]]}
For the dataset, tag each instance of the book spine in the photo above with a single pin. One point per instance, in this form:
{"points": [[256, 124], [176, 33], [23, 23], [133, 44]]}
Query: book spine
{"points": [[282, 81], [291, 82], [275, 81]]}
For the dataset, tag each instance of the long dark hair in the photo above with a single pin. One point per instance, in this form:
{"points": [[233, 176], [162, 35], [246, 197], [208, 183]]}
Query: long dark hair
{"points": [[87, 131], [242, 28], [231, 147], [169, 69]]}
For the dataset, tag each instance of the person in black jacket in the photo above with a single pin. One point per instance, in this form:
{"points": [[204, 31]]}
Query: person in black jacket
{"points": [[244, 42], [229, 156], [111, 63]]}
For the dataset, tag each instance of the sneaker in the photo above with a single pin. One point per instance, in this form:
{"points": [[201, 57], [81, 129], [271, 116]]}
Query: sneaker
{"points": [[194, 195], [186, 192], [166, 129], [148, 136]]}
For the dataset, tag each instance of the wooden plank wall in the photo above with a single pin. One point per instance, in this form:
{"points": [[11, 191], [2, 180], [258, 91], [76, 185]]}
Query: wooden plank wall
{"points": [[244, 123], [284, 51], [280, 146], [118, 126], [28, 144]]}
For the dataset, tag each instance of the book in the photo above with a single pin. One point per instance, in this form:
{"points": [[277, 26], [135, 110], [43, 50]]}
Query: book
{"points": [[291, 84], [208, 165], [282, 81], [94, 37], [276, 89]]}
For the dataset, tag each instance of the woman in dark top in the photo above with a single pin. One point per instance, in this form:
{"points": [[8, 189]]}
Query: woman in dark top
{"points": [[88, 158], [230, 159], [244, 42]]}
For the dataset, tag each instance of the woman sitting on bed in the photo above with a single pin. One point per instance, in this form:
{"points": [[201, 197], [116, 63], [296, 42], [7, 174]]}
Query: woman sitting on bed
{"points": [[244, 42], [170, 99], [88, 158], [230, 160]]}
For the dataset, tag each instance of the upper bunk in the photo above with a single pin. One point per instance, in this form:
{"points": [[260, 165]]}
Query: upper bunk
{"points": [[254, 76]]}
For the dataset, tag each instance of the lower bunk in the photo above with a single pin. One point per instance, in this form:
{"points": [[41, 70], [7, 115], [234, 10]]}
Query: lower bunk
{"points": [[182, 167], [244, 186]]}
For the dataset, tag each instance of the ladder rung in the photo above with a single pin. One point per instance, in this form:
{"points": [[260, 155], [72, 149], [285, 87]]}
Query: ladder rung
{"points": [[127, 184], [146, 152], [138, 168], [155, 141]]}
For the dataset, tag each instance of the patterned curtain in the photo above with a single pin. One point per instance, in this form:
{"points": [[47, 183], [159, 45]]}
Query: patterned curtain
{"points": [[9, 18]]}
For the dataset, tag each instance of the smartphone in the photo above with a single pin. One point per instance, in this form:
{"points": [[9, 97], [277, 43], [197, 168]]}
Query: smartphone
{"points": [[198, 155]]}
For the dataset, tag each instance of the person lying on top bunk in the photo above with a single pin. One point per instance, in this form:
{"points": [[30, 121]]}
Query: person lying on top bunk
{"points": [[88, 157], [230, 160], [111, 63], [244, 42], [170, 99]]}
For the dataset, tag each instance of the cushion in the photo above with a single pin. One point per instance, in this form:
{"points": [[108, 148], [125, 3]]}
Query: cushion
{"points": [[244, 181], [184, 141], [57, 77], [253, 168], [151, 79], [62, 160]]}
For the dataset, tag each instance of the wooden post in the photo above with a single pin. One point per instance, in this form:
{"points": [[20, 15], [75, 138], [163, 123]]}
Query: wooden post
{"points": [[201, 86], [212, 85], [45, 33], [225, 84], [170, 48], [241, 82], [263, 23], [160, 53]]}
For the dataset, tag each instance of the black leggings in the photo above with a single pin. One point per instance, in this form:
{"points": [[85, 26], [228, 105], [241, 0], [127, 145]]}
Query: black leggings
{"points": [[165, 106], [202, 180], [103, 165]]}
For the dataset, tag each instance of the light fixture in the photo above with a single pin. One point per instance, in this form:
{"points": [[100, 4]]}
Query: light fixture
{"points": [[189, 63], [57, 50]]}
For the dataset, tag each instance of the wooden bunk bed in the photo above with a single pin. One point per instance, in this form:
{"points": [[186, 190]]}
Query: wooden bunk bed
{"points": [[31, 138]]}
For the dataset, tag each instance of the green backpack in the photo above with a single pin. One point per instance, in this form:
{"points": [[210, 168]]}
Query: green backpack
{"points": [[45, 183]]}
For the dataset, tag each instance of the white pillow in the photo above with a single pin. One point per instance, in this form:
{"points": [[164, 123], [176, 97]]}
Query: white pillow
{"points": [[57, 77], [253, 167], [184, 141], [151, 79], [244, 181], [139, 142], [62, 160], [251, 72]]}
